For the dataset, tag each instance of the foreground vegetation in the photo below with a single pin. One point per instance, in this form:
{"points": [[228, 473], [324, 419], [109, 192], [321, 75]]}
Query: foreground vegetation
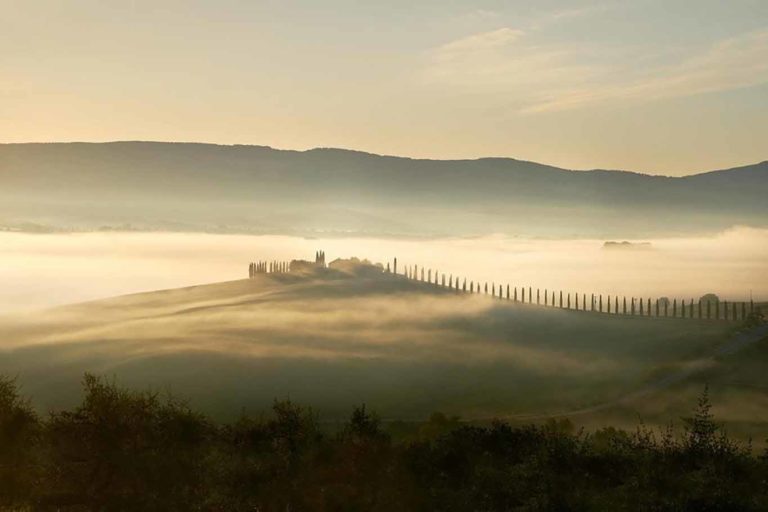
{"points": [[126, 450]]}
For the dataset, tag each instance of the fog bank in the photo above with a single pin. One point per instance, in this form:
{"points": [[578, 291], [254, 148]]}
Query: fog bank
{"points": [[39, 271]]}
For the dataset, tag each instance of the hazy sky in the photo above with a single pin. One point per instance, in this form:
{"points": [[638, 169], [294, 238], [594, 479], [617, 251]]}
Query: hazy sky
{"points": [[651, 85]]}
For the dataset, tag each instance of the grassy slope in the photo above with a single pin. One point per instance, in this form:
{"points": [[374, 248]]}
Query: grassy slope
{"points": [[738, 389], [404, 348]]}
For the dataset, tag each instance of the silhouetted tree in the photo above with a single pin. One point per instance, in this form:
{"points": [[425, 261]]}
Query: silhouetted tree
{"points": [[20, 432], [122, 450]]}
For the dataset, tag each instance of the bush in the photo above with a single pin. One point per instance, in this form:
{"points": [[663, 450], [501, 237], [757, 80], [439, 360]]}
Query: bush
{"points": [[19, 447], [124, 451]]}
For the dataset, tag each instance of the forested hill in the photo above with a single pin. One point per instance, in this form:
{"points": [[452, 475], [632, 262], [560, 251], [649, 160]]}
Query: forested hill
{"points": [[183, 186]]}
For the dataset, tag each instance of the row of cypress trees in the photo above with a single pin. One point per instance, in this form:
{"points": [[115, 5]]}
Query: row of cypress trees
{"points": [[708, 307], [267, 267]]}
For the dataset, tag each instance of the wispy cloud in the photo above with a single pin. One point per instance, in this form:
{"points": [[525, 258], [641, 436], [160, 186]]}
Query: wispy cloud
{"points": [[544, 78], [479, 42]]}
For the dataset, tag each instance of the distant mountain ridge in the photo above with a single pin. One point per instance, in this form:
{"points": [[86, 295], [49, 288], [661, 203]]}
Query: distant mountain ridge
{"points": [[195, 186]]}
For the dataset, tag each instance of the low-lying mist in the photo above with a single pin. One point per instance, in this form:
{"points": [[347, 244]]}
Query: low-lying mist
{"points": [[42, 270], [405, 348]]}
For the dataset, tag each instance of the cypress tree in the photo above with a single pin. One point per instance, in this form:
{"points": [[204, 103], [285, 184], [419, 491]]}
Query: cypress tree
{"points": [[625, 306], [537, 297], [674, 309], [577, 301], [508, 297], [641, 306], [515, 299], [569, 300], [584, 301], [649, 306]]}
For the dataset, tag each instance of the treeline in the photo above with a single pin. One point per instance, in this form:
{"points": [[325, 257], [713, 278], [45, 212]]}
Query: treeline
{"points": [[123, 450], [708, 307]]}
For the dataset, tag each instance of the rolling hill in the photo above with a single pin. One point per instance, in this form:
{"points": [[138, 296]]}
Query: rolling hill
{"points": [[204, 187], [336, 339]]}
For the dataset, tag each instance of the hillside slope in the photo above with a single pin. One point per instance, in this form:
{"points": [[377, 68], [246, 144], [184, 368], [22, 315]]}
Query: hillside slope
{"points": [[405, 348], [251, 188]]}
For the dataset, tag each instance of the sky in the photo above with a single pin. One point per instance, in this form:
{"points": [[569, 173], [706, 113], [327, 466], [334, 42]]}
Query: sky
{"points": [[666, 87]]}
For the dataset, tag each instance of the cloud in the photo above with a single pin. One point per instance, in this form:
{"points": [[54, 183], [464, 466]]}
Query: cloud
{"points": [[499, 60], [536, 78], [735, 63], [479, 42]]}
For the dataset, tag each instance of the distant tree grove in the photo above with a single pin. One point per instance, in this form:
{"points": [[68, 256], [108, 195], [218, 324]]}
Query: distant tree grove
{"points": [[122, 450]]}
